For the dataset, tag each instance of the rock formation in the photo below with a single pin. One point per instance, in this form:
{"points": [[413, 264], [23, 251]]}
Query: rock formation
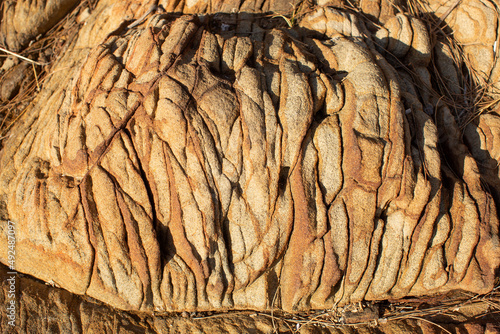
{"points": [[228, 161]]}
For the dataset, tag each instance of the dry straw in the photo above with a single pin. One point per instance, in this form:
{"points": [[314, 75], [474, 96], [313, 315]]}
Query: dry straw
{"points": [[441, 312]]}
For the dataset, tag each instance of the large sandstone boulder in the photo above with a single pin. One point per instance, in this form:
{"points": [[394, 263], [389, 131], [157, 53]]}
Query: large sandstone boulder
{"points": [[229, 162]]}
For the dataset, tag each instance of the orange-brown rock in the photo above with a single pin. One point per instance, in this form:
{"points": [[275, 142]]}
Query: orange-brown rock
{"points": [[474, 25], [229, 162], [43, 308], [24, 20]]}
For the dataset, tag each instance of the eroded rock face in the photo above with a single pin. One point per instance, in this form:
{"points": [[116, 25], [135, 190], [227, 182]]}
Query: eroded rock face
{"points": [[22, 21], [475, 27], [50, 309], [218, 162]]}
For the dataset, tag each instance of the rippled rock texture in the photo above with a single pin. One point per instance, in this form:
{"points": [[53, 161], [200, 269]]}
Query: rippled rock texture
{"points": [[217, 162], [46, 309]]}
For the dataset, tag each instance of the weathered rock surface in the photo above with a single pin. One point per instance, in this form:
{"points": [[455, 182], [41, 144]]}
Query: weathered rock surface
{"points": [[226, 162], [22, 21], [475, 27], [225, 6], [46, 309]]}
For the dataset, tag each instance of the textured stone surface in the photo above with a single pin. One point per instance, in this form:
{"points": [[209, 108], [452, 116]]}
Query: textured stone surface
{"points": [[22, 21], [226, 162], [45, 309], [227, 6], [475, 26], [14, 79]]}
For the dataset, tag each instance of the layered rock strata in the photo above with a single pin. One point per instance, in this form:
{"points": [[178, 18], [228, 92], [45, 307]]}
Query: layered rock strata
{"points": [[217, 162]]}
